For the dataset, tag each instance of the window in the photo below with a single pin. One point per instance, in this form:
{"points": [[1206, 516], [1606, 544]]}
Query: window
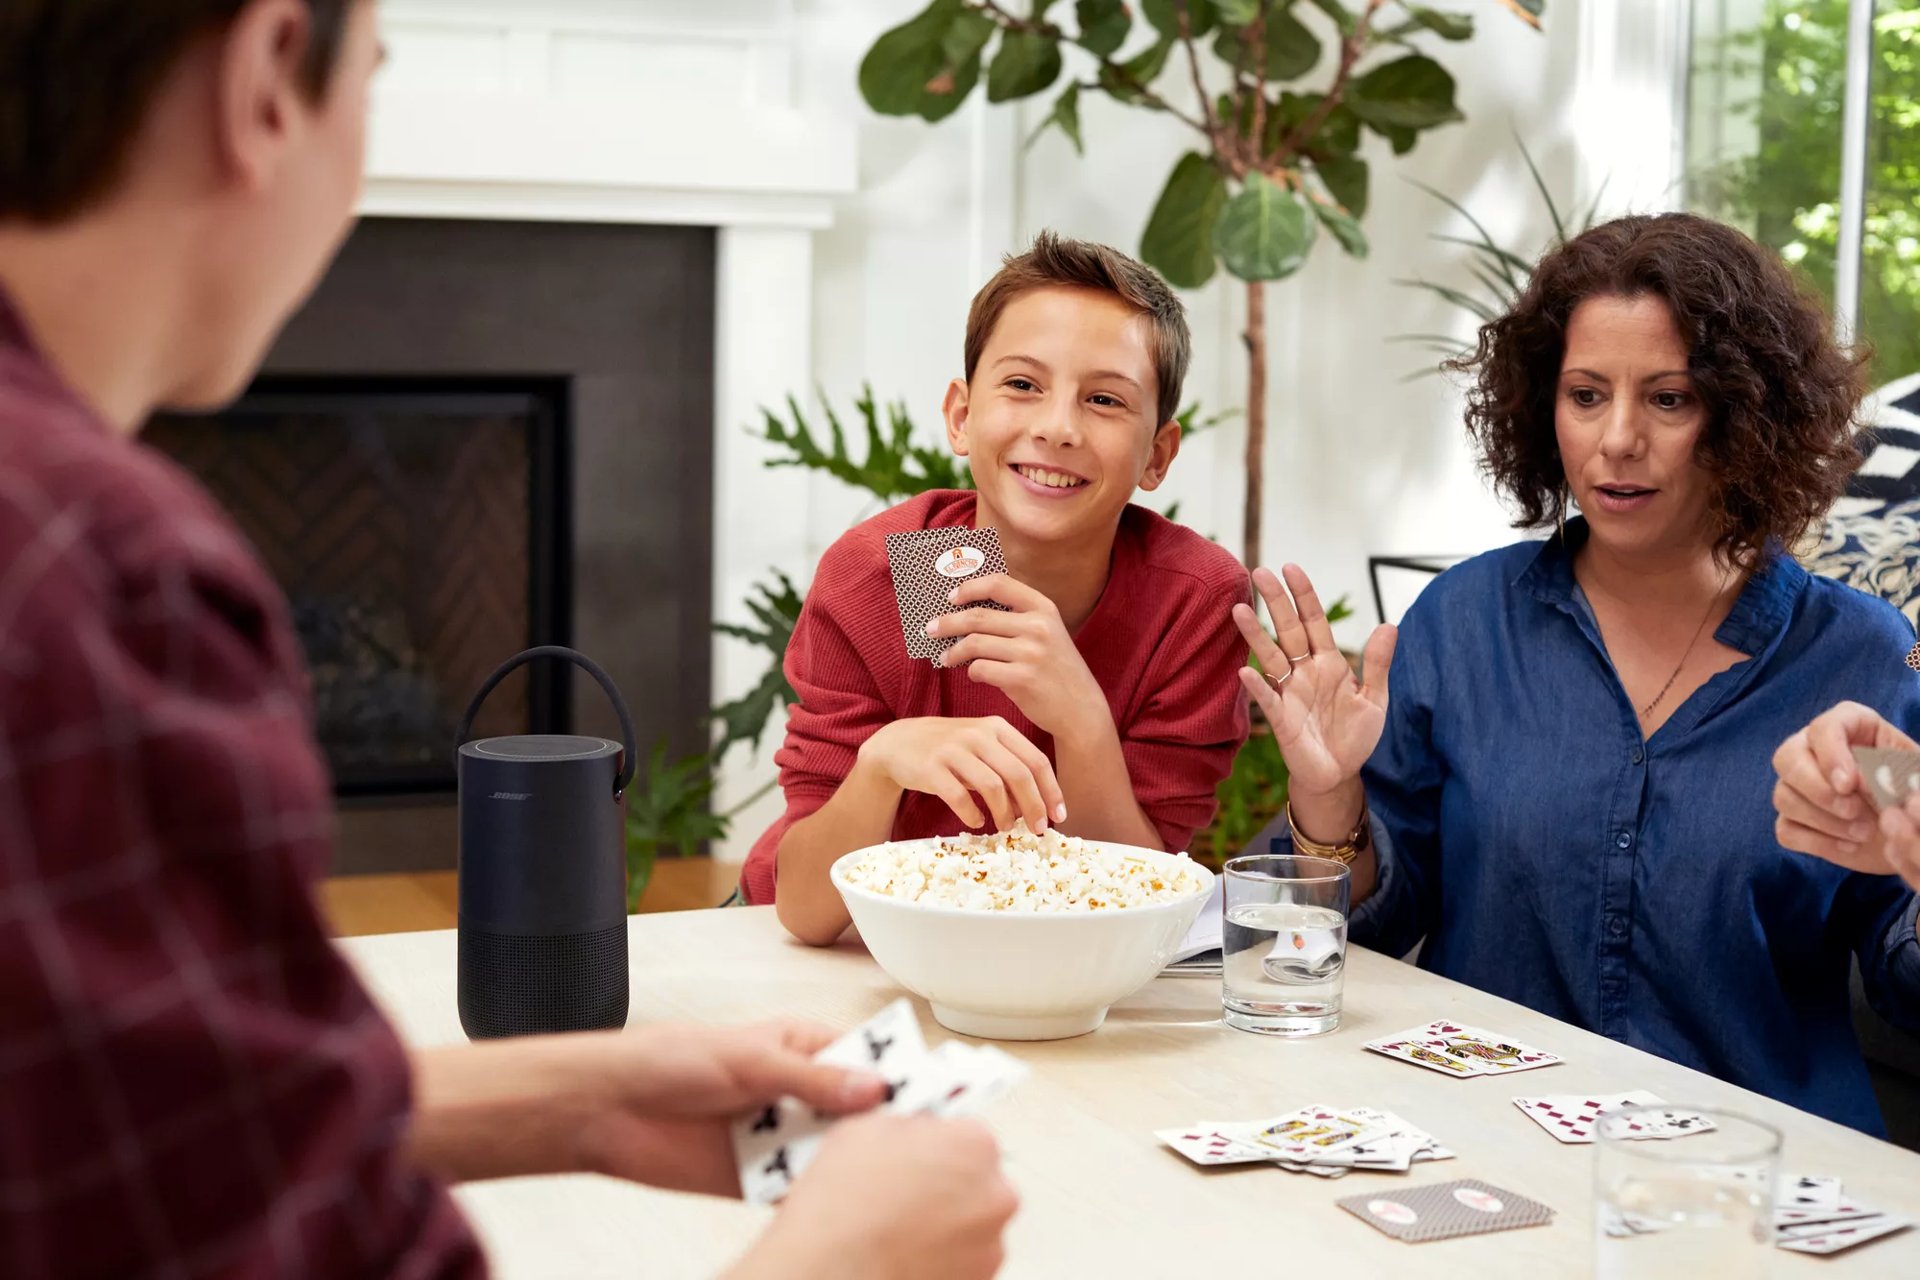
{"points": [[1768, 141]]}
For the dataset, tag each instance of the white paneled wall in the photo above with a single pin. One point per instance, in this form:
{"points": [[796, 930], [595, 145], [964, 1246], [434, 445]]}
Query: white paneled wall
{"points": [[851, 244]]}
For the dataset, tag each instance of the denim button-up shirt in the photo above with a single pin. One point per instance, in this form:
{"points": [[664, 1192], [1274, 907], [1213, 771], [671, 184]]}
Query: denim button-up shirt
{"points": [[1546, 852]]}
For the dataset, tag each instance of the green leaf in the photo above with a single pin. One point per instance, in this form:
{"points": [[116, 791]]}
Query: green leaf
{"points": [[1338, 135], [1343, 20], [946, 91], [895, 72], [1237, 13], [1343, 225], [1264, 232], [1178, 241], [1292, 50], [776, 608], [894, 468], [966, 37], [1026, 64], [1164, 15], [1137, 72], [1448, 26], [670, 808], [1065, 114], [1345, 178], [1103, 25], [1411, 93]]}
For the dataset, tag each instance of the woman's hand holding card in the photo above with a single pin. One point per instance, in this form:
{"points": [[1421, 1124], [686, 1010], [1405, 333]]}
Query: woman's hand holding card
{"points": [[1826, 805]]}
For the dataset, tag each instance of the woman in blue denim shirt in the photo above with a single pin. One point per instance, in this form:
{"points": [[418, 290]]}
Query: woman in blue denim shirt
{"points": [[1568, 796]]}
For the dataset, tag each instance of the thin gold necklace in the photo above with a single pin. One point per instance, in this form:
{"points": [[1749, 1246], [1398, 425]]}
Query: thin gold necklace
{"points": [[1712, 604]]}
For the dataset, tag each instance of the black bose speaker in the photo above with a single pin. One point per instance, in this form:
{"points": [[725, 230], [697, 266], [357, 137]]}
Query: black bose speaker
{"points": [[543, 883]]}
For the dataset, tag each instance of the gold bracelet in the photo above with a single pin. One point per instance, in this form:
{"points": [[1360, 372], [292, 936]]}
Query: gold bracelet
{"points": [[1344, 852]]}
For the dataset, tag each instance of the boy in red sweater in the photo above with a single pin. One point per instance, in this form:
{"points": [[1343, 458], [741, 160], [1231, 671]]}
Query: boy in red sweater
{"points": [[1103, 700]]}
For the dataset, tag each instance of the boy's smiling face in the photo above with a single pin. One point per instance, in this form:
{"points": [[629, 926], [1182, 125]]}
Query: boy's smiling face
{"points": [[1060, 421]]}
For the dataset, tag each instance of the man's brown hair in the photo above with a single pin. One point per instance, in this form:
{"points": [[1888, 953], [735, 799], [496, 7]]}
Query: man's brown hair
{"points": [[1055, 260], [77, 77]]}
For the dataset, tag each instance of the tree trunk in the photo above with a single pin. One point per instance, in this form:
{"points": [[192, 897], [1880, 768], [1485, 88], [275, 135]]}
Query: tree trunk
{"points": [[1256, 340]]}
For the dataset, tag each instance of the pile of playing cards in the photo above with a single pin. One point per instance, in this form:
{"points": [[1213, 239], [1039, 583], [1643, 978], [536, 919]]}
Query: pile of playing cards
{"points": [[774, 1144], [1449, 1209], [1455, 1049], [927, 564], [1328, 1142], [1811, 1214], [1572, 1117]]}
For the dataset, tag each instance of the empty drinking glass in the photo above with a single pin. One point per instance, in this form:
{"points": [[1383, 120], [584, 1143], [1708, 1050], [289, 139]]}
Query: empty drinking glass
{"points": [[1684, 1208], [1284, 943]]}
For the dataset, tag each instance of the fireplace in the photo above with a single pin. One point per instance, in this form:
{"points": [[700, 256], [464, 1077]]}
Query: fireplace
{"points": [[420, 529], [476, 436]]}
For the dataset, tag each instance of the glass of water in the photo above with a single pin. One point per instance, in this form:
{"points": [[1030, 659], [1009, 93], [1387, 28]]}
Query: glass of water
{"points": [[1684, 1208], [1284, 943]]}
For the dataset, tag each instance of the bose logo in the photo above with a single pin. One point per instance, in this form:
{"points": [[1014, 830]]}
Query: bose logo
{"points": [[511, 795]]}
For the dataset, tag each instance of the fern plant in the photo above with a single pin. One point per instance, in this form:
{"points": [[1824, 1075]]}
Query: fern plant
{"points": [[1499, 274]]}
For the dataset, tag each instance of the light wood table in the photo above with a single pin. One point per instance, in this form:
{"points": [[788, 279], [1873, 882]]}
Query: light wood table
{"points": [[1101, 1198]]}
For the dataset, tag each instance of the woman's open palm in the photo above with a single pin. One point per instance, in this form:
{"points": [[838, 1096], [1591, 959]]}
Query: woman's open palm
{"points": [[1325, 722]]}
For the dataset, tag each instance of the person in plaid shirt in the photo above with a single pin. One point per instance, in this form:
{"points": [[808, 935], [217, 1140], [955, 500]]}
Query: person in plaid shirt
{"points": [[192, 1082]]}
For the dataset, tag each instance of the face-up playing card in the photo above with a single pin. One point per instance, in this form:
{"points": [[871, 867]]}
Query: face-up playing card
{"points": [[1833, 1237], [1573, 1117], [1806, 1192], [774, 1144], [1449, 1209], [927, 564], [1209, 1144], [1844, 1209], [1891, 774], [1455, 1049], [959, 1079]]}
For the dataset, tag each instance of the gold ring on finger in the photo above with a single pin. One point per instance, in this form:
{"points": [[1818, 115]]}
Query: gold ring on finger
{"points": [[1274, 682], [1302, 658]]}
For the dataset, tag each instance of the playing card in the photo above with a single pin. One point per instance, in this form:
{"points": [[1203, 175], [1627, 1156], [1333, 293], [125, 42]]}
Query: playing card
{"points": [[774, 1144], [1448, 1209], [1571, 1117], [1844, 1209], [1315, 1134], [959, 1079], [1457, 1049], [1891, 774], [927, 564], [1209, 1144], [1806, 1192], [1833, 1237]]}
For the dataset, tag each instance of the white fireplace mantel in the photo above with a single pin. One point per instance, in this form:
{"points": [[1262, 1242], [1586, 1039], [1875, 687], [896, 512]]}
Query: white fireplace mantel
{"points": [[640, 112]]}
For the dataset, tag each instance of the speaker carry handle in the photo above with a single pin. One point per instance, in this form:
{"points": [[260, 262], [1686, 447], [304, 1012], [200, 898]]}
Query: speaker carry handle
{"points": [[587, 665]]}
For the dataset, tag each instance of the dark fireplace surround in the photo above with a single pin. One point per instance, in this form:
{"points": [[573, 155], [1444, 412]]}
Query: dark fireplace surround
{"points": [[475, 437]]}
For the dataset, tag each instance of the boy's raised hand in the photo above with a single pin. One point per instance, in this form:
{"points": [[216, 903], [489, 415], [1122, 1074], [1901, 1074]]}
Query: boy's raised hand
{"points": [[958, 759], [1024, 651]]}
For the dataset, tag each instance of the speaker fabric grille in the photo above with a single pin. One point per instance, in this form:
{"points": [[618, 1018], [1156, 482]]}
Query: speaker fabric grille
{"points": [[511, 985]]}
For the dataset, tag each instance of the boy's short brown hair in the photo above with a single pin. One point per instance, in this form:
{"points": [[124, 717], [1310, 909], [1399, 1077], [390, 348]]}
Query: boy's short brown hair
{"points": [[77, 76], [1057, 260]]}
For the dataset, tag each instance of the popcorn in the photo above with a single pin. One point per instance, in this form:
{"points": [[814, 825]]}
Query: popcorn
{"points": [[1019, 871]]}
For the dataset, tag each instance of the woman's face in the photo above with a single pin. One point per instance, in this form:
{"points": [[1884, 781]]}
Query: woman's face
{"points": [[1628, 419]]}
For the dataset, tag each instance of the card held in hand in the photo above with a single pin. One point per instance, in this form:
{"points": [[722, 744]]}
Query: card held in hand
{"points": [[927, 564], [1891, 774], [1448, 1209]]}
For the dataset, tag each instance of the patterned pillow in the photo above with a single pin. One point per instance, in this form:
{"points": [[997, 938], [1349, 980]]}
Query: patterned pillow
{"points": [[1877, 552]]}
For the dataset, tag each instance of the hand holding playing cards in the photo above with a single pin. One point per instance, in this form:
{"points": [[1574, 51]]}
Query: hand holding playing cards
{"points": [[654, 1105], [892, 1196], [1325, 722], [1022, 650], [1824, 806], [958, 759]]}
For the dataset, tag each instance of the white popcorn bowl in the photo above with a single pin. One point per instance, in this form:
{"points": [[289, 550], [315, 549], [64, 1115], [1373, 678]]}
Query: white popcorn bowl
{"points": [[1005, 975]]}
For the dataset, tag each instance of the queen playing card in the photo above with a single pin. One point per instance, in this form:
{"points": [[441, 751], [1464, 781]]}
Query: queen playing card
{"points": [[927, 564]]}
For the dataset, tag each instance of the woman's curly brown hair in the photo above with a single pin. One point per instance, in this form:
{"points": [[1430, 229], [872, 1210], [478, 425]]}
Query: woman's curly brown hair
{"points": [[1780, 395]]}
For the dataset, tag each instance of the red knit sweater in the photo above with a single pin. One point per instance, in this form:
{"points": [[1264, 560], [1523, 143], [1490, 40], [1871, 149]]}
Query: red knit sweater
{"points": [[1161, 642]]}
